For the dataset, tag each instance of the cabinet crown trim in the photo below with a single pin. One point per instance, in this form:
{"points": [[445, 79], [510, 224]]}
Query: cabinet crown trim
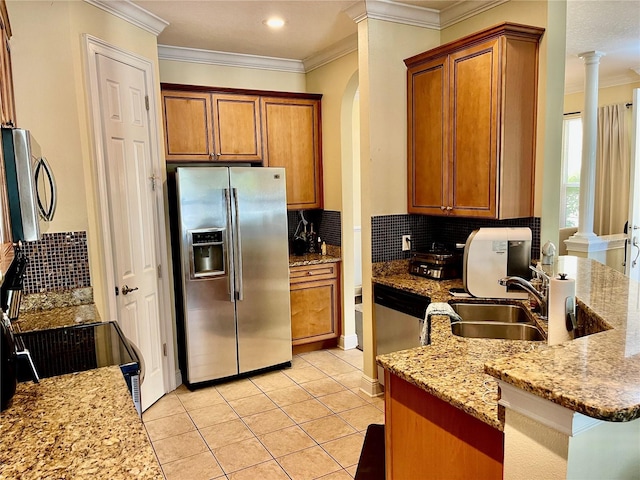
{"points": [[180, 87], [507, 29]]}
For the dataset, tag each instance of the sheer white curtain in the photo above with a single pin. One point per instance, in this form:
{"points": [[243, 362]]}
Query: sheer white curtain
{"points": [[612, 171]]}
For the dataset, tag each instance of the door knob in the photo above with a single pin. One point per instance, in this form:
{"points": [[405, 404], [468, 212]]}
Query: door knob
{"points": [[126, 289]]}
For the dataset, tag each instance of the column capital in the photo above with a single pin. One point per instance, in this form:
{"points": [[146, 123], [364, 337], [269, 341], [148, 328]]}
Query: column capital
{"points": [[592, 56]]}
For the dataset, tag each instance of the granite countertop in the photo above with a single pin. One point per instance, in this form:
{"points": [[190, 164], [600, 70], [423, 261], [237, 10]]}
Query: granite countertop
{"points": [[332, 256], [82, 425], [40, 311], [597, 375]]}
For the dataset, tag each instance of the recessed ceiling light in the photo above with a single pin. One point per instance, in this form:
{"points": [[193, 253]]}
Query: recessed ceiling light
{"points": [[274, 22]]}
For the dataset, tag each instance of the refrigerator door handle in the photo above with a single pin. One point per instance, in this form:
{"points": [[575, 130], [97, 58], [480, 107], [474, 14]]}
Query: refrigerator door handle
{"points": [[238, 246], [229, 251]]}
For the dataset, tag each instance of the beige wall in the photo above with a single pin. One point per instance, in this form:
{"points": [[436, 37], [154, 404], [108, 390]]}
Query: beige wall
{"points": [[574, 102], [331, 80], [172, 71], [51, 100], [383, 138], [389, 44]]}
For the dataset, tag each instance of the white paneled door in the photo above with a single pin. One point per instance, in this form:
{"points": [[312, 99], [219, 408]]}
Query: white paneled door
{"points": [[130, 189]]}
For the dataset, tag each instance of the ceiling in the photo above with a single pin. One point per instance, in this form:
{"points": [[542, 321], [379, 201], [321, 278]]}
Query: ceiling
{"points": [[316, 26]]}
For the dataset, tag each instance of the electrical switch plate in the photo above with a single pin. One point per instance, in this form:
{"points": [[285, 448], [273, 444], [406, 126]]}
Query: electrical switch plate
{"points": [[406, 242]]}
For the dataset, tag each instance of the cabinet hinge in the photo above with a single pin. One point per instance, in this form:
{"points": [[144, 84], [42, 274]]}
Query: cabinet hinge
{"points": [[159, 271], [146, 102], [164, 349]]}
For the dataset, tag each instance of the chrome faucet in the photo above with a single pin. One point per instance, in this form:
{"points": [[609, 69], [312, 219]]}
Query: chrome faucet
{"points": [[542, 298]]}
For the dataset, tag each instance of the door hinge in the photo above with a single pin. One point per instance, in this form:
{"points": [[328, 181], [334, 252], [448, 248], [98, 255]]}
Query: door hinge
{"points": [[159, 271], [164, 349], [146, 102]]}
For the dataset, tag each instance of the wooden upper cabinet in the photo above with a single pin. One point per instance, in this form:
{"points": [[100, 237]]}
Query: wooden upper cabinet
{"points": [[211, 127], [428, 115], [7, 103], [292, 137], [471, 125], [237, 129], [187, 125]]}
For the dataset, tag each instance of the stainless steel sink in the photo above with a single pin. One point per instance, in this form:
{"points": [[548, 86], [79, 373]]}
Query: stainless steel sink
{"points": [[491, 312], [499, 330]]}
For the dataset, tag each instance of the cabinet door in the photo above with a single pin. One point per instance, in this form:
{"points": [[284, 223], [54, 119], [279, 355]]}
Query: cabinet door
{"points": [[187, 125], [315, 303], [474, 134], [236, 123], [427, 119], [292, 140], [7, 104]]}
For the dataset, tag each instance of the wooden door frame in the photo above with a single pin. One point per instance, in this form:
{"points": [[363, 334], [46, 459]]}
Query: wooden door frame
{"points": [[94, 46]]}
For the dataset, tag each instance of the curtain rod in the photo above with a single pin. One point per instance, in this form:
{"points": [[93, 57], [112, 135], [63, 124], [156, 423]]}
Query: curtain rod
{"points": [[628, 105]]}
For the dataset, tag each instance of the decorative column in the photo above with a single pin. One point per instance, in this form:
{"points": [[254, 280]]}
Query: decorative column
{"points": [[585, 243], [589, 136]]}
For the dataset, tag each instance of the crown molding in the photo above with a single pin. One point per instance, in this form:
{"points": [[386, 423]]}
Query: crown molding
{"points": [[132, 13], [335, 51], [466, 9], [394, 12], [605, 82], [211, 57]]}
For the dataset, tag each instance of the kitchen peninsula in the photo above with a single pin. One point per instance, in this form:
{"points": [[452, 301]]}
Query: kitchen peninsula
{"points": [[594, 379], [79, 425]]}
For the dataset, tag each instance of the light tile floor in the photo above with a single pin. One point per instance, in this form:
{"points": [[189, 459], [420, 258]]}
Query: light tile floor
{"points": [[300, 423]]}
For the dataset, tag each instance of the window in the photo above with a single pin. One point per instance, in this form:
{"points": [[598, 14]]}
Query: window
{"points": [[571, 164]]}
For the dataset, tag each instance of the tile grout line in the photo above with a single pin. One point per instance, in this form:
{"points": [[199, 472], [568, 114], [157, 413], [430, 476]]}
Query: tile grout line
{"points": [[317, 364]]}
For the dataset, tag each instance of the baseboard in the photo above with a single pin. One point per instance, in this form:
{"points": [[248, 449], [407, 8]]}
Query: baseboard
{"points": [[348, 342], [370, 386]]}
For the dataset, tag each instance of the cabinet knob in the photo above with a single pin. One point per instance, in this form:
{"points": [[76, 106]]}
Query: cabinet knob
{"points": [[212, 156], [449, 209], [443, 208]]}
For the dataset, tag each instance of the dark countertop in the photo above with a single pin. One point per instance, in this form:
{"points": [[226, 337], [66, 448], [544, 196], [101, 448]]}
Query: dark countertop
{"points": [[597, 375]]}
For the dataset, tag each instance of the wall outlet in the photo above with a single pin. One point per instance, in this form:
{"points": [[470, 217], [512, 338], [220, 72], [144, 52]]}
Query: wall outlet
{"points": [[406, 242]]}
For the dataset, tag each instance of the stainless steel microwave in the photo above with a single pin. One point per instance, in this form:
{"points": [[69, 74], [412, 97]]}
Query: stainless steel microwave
{"points": [[31, 187]]}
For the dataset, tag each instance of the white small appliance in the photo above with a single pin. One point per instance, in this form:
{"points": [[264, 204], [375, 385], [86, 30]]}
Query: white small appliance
{"points": [[494, 253]]}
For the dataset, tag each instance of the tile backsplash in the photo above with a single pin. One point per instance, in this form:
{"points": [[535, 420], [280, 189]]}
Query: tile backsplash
{"points": [[327, 223], [387, 231], [59, 261]]}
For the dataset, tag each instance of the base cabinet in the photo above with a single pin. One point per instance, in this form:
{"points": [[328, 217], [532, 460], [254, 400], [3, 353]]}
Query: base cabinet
{"points": [[428, 438], [315, 306]]}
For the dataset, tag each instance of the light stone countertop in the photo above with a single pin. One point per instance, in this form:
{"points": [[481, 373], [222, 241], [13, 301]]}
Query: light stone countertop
{"points": [[77, 426], [41, 311], [332, 256], [597, 375]]}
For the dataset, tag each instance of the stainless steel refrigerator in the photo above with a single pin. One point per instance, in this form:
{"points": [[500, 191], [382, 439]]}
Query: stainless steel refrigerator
{"points": [[234, 259]]}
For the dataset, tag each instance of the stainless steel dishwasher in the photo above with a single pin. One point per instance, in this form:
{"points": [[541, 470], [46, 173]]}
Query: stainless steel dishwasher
{"points": [[399, 317]]}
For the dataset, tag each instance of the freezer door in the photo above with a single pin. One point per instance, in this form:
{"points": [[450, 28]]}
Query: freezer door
{"points": [[204, 199], [261, 266]]}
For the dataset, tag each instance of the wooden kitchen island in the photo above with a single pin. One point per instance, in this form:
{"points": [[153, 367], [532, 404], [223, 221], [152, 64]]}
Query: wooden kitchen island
{"points": [[597, 376]]}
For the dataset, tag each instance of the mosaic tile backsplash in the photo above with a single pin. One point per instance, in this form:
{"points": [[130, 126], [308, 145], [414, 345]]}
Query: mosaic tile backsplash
{"points": [[327, 223], [387, 231], [60, 261]]}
